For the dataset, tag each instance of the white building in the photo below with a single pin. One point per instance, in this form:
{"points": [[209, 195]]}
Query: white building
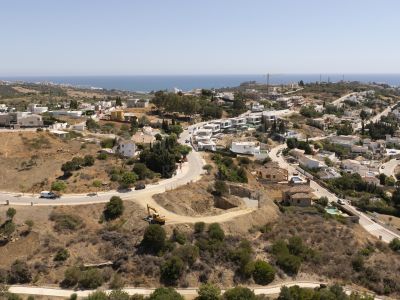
{"points": [[207, 145], [269, 116], [254, 119], [257, 107], [245, 148], [35, 109], [214, 127], [310, 162], [202, 135], [225, 124], [126, 148], [239, 121]]}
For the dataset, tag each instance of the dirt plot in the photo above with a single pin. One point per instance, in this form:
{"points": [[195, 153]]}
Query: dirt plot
{"points": [[31, 161]]}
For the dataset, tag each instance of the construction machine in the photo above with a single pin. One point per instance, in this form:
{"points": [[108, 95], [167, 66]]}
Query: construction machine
{"points": [[153, 217]]}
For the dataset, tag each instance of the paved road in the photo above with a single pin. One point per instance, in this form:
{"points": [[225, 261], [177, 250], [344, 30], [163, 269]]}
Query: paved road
{"points": [[343, 98], [273, 289]]}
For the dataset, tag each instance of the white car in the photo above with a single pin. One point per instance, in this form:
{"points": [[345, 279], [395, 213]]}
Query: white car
{"points": [[48, 195], [341, 202]]}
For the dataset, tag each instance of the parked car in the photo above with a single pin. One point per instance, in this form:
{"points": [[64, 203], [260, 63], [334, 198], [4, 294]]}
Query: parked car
{"points": [[48, 195], [340, 201], [140, 186]]}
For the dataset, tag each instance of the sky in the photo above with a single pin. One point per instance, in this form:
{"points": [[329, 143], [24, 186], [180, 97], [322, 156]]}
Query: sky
{"points": [[162, 37]]}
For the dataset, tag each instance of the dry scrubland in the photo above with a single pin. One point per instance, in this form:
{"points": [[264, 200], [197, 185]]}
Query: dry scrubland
{"points": [[31, 161], [329, 248]]}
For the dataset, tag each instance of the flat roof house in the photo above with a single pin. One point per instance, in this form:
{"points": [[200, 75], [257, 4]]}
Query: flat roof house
{"points": [[225, 124], [254, 119], [239, 121], [214, 127], [250, 148]]}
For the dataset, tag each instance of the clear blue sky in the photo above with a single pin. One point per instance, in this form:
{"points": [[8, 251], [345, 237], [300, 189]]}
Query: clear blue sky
{"points": [[132, 37]]}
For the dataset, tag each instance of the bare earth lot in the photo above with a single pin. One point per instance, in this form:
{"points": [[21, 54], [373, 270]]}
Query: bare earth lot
{"points": [[31, 161]]}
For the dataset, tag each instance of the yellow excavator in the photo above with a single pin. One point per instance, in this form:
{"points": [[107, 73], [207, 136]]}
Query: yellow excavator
{"points": [[153, 217]]}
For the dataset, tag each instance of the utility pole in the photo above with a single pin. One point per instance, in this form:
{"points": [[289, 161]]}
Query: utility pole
{"points": [[268, 84]]}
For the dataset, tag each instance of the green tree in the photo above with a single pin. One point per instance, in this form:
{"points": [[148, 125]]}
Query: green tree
{"points": [[323, 201], [263, 272], [114, 208], [128, 179], [165, 294], [11, 213], [395, 244], [172, 269], [239, 293], [208, 291], [154, 238]]}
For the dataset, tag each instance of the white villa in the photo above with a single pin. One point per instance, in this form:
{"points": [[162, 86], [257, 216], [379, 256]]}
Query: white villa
{"points": [[245, 148]]}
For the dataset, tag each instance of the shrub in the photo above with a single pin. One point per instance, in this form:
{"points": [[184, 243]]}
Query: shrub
{"points": [[98, 295], [71, 277], [116, 282], [358, 263], [395, 245], [107, 143], [114, 208], [66, 222], [239, 293], [61, 255], [220, 188], [73, 297], [165, 294], [118, 295], [188, 253], [102, 156], [58, 186], [90, 279], [172, 269], [289, 263], [97, 183], [8, 228], [263, 272], [88, 160], [128, 179], [208, 168], [323, 201], [19, 273], [215, 232], [208, 291], [178, 237], [154, 238], [199, 227]]}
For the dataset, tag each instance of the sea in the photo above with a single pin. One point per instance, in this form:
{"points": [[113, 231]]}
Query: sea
{"points": [[148, 83]]}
